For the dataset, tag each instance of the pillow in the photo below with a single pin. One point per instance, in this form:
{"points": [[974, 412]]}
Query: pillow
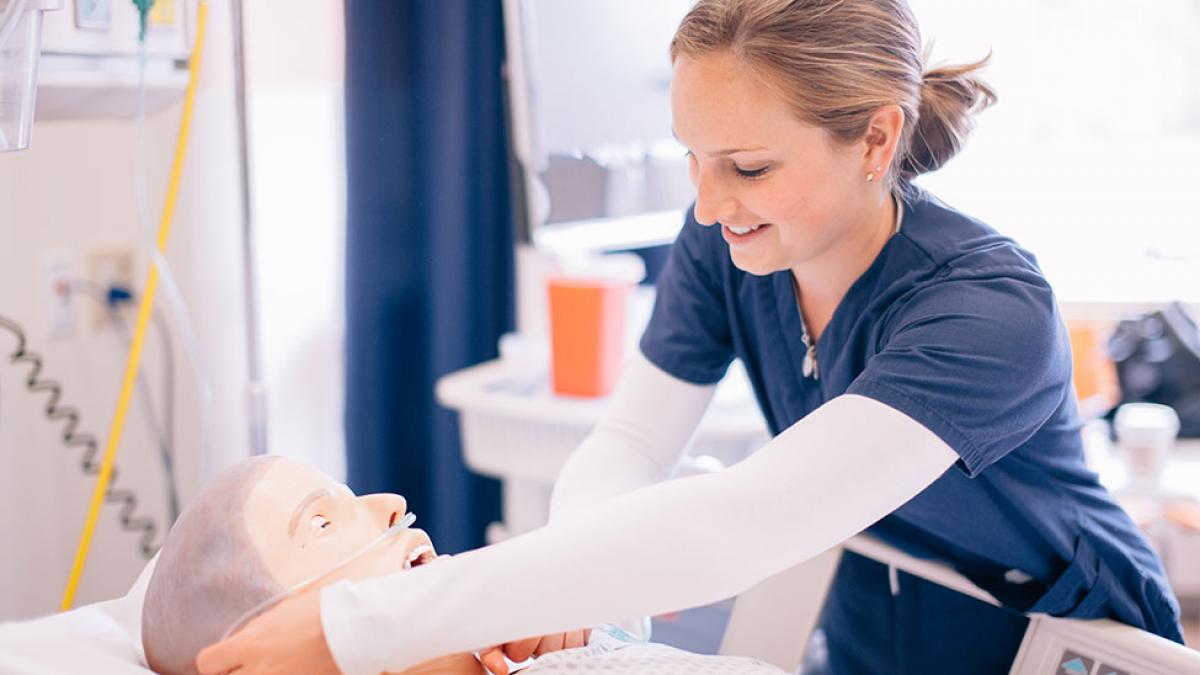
{"points": [[105, 637]]}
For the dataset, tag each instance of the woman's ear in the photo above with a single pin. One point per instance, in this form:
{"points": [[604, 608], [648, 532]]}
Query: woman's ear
{"points": [[882, 137]]}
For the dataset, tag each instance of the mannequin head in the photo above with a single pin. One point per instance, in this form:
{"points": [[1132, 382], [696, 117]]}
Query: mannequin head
{"points": [[259, 527]]}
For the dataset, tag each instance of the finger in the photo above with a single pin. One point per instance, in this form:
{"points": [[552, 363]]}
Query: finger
{"points": [[574, 640], [520, 650], [218, 659], [587, 636], [493, 660], [550, 643]]}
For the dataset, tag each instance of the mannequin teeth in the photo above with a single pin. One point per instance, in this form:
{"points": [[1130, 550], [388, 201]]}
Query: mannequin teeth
{"points": [[416, 554]]}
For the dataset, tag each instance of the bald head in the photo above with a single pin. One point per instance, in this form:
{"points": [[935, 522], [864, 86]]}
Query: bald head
{"points": [[209, 572]]}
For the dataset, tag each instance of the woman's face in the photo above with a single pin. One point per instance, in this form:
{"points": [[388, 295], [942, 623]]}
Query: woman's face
{"points": [[305, 524], [755, 165]]}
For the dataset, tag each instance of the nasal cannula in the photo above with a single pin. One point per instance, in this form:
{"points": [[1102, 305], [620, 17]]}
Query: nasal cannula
{"points": [[296, 589]]}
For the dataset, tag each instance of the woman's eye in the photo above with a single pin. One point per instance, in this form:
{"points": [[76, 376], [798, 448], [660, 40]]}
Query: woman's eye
{"points": [[320, 524], [750, 173]]}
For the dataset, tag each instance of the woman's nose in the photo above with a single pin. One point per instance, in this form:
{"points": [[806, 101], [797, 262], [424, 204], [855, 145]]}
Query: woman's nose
{"points": [[385, 509], [714, 203]]}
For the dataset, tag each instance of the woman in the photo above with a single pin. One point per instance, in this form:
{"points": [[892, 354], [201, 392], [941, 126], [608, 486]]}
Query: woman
{"points": [[909, 360]]}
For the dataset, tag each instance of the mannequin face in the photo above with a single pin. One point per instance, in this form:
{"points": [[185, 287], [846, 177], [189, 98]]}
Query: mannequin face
{"points": [[304, 524]]}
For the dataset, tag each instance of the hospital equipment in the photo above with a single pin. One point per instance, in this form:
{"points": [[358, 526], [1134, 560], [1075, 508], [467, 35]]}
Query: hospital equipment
{"points": [[1146, 433], [760, 623], [20, 49], [588, 303], [57, 410], [511, 401], [143, 319], [597, 167], [90, 63], [387, 535]]}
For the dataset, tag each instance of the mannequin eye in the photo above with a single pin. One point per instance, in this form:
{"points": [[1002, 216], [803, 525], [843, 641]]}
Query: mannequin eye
{"points": [[320, 524]]}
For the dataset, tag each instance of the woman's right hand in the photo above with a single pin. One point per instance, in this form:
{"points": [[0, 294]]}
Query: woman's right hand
{"points": [[520, 650]]}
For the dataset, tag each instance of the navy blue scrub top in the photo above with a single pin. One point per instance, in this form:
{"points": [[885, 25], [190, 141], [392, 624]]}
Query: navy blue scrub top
{"points": [[955, 326]]}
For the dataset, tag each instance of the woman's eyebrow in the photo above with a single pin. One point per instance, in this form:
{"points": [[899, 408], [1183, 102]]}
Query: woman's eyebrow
{"points": [[304, 503], [722, 153]]}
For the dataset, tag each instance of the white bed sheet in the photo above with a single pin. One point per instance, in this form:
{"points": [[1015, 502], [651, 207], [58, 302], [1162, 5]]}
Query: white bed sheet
{"points": [[102, 638], [106, 638]]}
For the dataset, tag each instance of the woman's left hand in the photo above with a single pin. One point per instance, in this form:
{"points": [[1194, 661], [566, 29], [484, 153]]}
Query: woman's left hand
{"points": [[286, 639]]}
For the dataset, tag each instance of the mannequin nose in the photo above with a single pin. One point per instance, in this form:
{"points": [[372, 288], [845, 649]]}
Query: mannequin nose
{"points": [[385, 509]]}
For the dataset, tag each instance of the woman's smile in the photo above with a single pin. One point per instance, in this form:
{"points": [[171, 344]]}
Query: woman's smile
{"points": [[741, 235]]}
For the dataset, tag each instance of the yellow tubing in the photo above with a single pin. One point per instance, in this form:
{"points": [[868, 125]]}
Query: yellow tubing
{"points": [[143, 320]]}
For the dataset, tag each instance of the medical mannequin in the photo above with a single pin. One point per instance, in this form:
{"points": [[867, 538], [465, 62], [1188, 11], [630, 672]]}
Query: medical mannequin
{"points": [[259, 527], [269, 524]]}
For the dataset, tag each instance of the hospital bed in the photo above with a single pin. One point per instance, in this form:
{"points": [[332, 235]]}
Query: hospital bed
{"points": [[770, 622], [766, 628]]}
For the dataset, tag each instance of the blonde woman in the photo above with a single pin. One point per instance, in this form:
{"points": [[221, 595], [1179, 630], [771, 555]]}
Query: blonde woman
{"points": [[909, 359]]}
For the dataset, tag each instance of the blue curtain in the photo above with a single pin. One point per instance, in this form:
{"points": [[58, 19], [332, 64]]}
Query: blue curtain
{"points": [[429, 247]]}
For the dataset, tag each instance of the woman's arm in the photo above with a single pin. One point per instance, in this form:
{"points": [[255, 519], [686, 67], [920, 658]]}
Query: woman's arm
{"points": [[677, 544], [645, 429]]}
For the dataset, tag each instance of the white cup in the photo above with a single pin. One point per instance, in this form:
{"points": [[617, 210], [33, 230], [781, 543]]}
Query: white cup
{"points": [[1146, 433]]}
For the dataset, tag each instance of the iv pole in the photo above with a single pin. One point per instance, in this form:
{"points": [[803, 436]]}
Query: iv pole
{"points": [[256, 393]]}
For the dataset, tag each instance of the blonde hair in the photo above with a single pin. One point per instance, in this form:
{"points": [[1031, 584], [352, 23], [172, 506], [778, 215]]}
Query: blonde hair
{"points": [[838, 61]]}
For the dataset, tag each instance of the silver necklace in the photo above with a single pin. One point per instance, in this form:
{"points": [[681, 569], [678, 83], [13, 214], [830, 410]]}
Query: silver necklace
{"points": [[810, 367]]}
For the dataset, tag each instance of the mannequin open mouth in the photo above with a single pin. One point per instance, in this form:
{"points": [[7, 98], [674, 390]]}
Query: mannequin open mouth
{"points": [[419, 556]]}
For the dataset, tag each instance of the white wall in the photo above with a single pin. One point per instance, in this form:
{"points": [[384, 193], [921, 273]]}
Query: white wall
{"points": [[1084, 158], [295, 74], [74, 190]]}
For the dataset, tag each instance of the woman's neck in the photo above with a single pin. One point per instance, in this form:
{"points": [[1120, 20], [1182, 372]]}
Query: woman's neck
{"points": [[824, 280]]}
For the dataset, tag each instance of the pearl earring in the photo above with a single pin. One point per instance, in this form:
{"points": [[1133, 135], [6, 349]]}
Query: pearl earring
{"points": [[871, 175]]}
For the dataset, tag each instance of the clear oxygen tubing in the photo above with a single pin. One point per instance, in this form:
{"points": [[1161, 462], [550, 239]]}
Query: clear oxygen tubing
{"points": [[180, 314], [163, 433], [387, 535], [143, 321]]}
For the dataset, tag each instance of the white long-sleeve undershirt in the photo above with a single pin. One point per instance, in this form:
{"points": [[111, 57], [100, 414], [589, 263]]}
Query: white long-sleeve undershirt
{"points": [[645, 429], [654, 549]]}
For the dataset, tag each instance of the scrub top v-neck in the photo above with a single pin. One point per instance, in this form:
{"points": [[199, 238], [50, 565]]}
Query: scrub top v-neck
{"points": [[955, 326]]}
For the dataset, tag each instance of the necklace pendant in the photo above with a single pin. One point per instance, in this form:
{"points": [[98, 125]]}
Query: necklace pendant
{"points": [[809, 366]]}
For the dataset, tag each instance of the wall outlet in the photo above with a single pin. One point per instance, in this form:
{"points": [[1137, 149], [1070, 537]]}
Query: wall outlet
{"points": [[109, 268], [164, 14], [62, 271]]}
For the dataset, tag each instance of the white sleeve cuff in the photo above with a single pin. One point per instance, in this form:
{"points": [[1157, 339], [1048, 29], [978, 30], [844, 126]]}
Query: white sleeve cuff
{"points": [[346, 633]]}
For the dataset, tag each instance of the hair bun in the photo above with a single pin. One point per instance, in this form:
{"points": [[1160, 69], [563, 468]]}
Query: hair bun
{"points": [[950, 96]]}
